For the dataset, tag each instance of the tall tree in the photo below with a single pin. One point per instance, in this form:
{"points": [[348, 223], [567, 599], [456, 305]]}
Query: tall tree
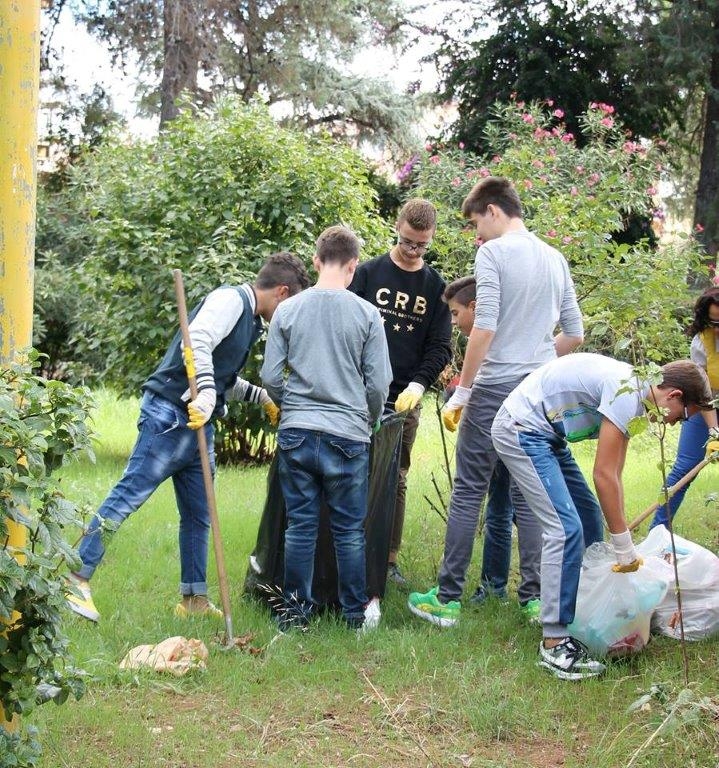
{"points": [[291, 52], [571, 53]]}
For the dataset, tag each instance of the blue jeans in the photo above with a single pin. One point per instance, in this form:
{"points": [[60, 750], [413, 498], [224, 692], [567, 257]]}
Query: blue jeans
{"points": [[690, 452], [165, 447], [313, 465], [555, 489]]}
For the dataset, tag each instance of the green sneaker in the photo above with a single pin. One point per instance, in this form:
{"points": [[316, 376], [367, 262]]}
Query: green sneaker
{"points": [[531, 610], [428, 607]]}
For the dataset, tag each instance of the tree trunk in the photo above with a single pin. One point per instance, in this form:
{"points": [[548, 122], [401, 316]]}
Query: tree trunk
{"points": [[706, 216], [182, 43]]}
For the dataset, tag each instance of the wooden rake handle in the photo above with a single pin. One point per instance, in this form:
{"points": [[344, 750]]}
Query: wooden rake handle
{"points": [[204, 457], [671, 491]]}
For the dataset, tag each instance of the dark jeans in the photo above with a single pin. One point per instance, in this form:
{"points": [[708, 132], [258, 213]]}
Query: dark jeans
{"points": [[409, 434], [165, 447], [313, 465]]}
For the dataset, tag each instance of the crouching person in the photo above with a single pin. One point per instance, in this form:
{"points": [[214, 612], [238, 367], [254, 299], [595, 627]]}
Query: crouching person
{"points": [[333, 346], [579, 397]]}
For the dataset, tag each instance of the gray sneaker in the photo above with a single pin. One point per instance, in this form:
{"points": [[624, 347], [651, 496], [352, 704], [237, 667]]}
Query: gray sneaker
{"points": [[395, 575], [569, 660]]}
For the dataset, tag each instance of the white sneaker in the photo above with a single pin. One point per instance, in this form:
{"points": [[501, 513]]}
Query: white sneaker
{"points": [[569, 660], [372, 615]]}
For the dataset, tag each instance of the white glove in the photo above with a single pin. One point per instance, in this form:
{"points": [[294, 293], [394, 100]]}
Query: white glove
{"points": [[409, 397], [201, 408], [271, 410], [453, 407], [627, 558]]}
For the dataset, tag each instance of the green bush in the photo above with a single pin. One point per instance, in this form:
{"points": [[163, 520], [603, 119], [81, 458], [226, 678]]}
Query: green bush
{"points": [[634, 298], [213, 195], [43, 425]]}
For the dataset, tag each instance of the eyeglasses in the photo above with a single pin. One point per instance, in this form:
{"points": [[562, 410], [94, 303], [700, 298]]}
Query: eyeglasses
{"points": [[410, 245]]}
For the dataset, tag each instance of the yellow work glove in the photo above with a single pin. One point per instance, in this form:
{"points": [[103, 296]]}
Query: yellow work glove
{"points": [[409, 398], [629, 567], [200, 410], [271, 410], [452, 411], [712, 446]]}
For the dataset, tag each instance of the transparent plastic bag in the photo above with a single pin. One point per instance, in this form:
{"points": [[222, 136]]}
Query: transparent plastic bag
{"points": [[698, 570], [614, 610]]}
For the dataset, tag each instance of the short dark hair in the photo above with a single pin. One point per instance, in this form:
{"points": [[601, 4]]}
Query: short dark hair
{"points": [[494, 190], [701, 310], [462, 290], [283, 268], [337, 244], [691, 379], [419, 214]]}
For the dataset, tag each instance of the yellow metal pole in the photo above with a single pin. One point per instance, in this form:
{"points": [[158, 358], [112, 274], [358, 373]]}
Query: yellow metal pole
{"points": [[19, 86]]}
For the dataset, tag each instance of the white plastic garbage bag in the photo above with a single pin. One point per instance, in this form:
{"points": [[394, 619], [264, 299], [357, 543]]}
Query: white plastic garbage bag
{"points": [[614, 610], [698, 579]]}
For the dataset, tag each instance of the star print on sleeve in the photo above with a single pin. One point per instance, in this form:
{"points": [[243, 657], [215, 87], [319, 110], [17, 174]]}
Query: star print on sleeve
{"points": [[410, 327], [396, 327]]}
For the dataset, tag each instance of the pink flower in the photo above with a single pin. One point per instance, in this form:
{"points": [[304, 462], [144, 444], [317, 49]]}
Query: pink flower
{"points": [[527, 184], [434, 159], [630, 147], [607, 109], [699, 229], [651, 190], [593, 105], [484, 172], [607, 122], [551, 233], [558, 113], [573, 191], [579, 169], [456, 181], [540, 133], [537, 163], [552, 152], [496, 159], [428, 146], [461, 145], [566, 240], [593, 179], [568, 138], [527, 118]]}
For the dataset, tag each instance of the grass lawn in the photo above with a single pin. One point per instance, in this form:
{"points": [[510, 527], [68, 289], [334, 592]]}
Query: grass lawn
{"points": [[408, 694]]}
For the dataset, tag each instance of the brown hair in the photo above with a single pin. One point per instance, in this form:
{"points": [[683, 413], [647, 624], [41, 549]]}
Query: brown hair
{"points": [[283, 268], [494, 190], [701, 310], [419, 214], [691, 380], [337, 244], [463, 290]]}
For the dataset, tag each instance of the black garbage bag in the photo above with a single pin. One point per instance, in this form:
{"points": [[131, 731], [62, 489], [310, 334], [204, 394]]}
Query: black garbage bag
{"points": [[265, 574]]}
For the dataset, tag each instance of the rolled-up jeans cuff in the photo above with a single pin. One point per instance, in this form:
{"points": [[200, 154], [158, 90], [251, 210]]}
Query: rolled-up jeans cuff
{"points": [[198, 588]]}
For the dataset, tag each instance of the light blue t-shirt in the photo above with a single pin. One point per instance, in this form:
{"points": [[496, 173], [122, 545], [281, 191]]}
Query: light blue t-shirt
{"points": [[570, 395]]}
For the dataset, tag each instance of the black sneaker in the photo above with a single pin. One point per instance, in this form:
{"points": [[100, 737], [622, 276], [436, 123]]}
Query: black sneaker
{"points": [[395, 575], [569, 660]]}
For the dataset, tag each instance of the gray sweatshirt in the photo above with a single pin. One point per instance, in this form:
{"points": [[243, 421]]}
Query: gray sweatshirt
{"points": [[524, 291], [333, 346]]}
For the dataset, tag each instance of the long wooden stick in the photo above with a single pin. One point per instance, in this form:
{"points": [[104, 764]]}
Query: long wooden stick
{"points": [[204, 457], [670, 492]]}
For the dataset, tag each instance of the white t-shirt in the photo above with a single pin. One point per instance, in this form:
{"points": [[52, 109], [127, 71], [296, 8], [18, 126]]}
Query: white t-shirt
{"points": [[570, 395]]}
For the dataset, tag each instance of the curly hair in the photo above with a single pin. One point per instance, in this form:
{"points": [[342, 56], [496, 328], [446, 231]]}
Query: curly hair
{"points": [[701, 310]]}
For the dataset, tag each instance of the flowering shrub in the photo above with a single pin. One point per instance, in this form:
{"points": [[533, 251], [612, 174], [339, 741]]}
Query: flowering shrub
{"points": [[576, 199]]}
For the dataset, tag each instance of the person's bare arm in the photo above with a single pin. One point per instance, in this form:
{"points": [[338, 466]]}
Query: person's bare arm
{"points": [[564, 344], [608, 466]]}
